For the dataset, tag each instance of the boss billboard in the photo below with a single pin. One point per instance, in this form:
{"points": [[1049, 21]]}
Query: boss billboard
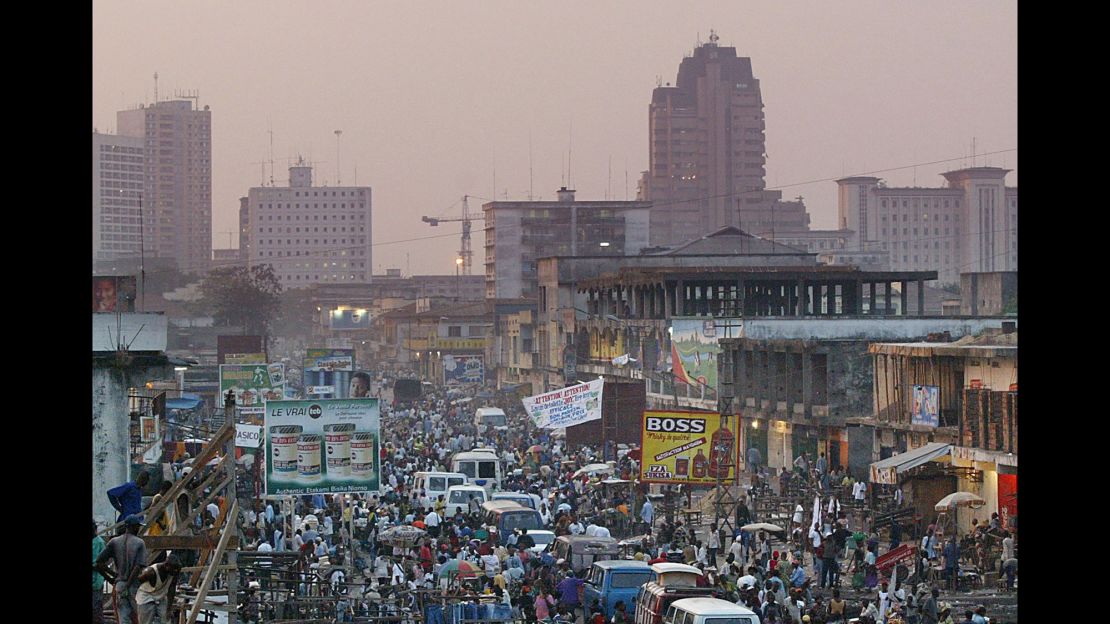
{"points": [[687, 447]]}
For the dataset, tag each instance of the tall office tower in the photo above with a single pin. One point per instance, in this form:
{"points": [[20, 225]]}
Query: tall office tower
{"points": [[310, 234], [708, 153], [177, 198], [117, 183]]}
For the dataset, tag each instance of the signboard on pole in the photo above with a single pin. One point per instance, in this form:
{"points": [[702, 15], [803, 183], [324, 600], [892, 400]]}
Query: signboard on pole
{"points": [[687, 447], [252, 384], [926, 406], [329, 446], [245, 358], [248, 436], [462, 369], [324, 368], [567, 406], [570, 365]]}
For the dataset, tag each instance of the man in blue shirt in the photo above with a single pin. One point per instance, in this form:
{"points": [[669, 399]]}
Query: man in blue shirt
{"points": [[127, 499], [952, 561], [798, 576], [569, 589]]}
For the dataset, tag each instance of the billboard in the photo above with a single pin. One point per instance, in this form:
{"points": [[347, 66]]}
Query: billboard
{"points": [[462, 369], [322, 446], [926, 406], [244, 358], [253, 384], [248, 436], [565, 407], [226, 344], [113, 293], [327, 372], [349, 319], [694, 351], [687, 447]]}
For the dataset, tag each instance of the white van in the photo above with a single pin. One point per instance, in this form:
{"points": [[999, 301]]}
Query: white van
{"points": [[486, 418], [458, 498], [437, 483], [708, 611], [481, 467]]}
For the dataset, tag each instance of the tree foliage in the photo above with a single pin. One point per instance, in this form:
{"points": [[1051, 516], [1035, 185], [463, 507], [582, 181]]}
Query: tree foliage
{"points": [[247, 297]]}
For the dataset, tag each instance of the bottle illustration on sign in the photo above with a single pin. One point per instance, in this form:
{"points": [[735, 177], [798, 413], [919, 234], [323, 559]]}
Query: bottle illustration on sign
{"points": [[681, 466], [701, 465], [720, 455]]}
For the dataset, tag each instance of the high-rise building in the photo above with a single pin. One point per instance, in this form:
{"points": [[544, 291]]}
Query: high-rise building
{"points": [[708, 153], [117, 184], [177, 195], [969, 226], [520, 232], [310, 234]]}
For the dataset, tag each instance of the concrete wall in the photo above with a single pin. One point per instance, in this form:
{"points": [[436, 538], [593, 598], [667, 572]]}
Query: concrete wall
{"points": [[871, 329], [110, 429], [987, 293], [850, 376]]}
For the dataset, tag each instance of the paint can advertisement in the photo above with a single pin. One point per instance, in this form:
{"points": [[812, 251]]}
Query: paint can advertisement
{"points": [[327, 446]]}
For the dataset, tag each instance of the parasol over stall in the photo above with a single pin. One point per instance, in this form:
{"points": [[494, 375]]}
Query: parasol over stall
{"points": [[460, 569], [762, 526], [959, 499], [401, 535]]}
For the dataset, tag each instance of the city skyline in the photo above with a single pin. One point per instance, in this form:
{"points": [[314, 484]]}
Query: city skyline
{"points": [[848, 90]]}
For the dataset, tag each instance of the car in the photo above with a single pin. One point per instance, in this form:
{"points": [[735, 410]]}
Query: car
{"points": [[581, 551], [458, 498], [708, 611], [613, 581]]}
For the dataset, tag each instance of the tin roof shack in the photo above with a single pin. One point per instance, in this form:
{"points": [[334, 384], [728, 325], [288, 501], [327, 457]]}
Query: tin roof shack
{"points": [[970, 386], [128, 351]]}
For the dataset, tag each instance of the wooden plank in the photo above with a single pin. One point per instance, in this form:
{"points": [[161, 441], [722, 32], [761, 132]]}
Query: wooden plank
{"points": [[227, 431], [221, 524], [202, 591]]}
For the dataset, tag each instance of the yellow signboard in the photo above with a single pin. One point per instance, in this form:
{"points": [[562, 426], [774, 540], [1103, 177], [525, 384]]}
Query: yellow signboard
{"points": [[442, 343], [687, 447]]}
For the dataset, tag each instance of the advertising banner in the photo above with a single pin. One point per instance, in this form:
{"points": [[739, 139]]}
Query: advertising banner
{"points": [[252, 384], [329, 360], [325, 446], [328, 368], [687, 447], [462, 369], [349, 319], [926, 406], [694, 352], [565, 407], [248, 436], [245, 358], [113, 293]]}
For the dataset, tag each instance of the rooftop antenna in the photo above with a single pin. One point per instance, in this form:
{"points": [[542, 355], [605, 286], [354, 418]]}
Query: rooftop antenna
{"points": [[337, 172], [972, 151], [155, 87], [270, 123], [570, 149]]}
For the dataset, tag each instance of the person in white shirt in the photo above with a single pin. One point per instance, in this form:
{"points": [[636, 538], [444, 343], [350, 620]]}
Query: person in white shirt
{"points": [[798, 511], [591, 530], [602, 532], [491, 565], [576, 527], [265, 547]]}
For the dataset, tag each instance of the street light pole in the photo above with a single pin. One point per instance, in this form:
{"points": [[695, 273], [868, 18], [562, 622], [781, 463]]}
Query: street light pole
{"points": [[458, 263]]}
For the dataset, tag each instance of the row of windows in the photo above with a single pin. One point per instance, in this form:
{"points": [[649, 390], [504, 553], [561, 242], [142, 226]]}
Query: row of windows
{"points": [[924, 231], [905, 259], [315, 241], [342, 217], [290, 254], [352, 276], [361, 193], [290, 230], [924, 217], [924, 204], [936, 245], [342, 206]]}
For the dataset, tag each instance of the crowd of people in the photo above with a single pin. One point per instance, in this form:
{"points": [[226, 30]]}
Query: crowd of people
{"points": [[342, 547]]}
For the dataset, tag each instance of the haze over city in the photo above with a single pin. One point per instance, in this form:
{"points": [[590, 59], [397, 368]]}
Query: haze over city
{"points": [[492, 99]]}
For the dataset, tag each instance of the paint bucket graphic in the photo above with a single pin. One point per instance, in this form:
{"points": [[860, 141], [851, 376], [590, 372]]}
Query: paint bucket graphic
{"points": [[337, 440], [309, 457], [283, 450], [363, 455]]}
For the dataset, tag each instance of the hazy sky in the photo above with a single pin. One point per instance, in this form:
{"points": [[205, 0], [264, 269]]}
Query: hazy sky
{"points": [[439, 99]]}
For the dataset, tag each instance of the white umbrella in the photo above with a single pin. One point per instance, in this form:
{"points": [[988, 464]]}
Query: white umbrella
{"points": [[593, 469], [959, 499]]}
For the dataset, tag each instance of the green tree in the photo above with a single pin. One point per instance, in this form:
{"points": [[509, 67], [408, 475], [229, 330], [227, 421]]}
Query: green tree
{"points": [[247, 297]]}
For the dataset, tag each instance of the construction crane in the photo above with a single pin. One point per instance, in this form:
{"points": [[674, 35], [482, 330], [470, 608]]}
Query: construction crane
{"points": [[464, 250]]}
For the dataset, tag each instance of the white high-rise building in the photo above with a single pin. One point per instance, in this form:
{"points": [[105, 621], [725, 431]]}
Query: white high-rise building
{"points": [[117, 184], [310, 234], [969, 226]]}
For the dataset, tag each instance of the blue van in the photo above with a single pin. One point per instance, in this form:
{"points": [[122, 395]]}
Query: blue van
{"points": [[616, 580]]}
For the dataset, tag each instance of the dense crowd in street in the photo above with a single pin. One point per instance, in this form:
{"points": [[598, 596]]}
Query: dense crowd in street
{"points": [[819, 569]]}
